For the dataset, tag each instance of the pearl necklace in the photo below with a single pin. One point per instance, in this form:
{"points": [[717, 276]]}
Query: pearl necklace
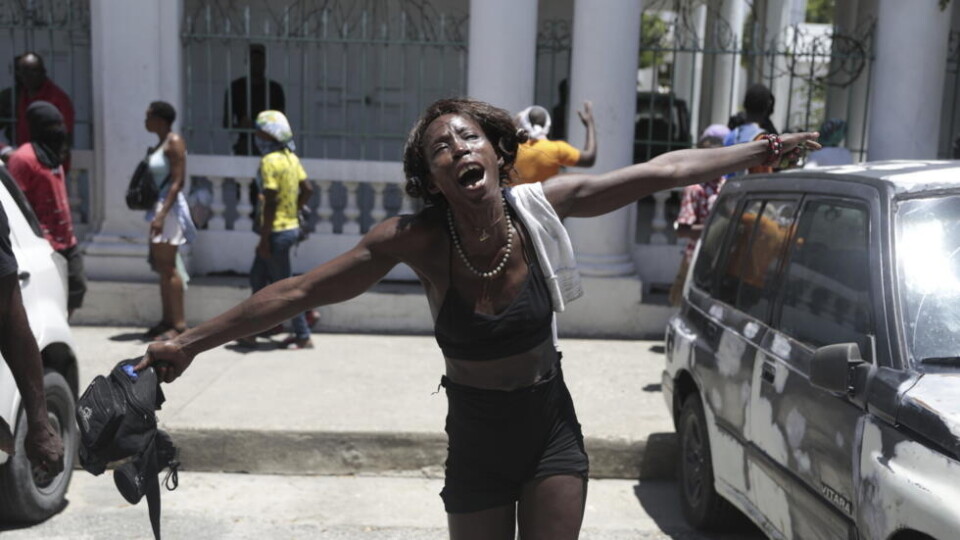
{"points": [[463, 256]]}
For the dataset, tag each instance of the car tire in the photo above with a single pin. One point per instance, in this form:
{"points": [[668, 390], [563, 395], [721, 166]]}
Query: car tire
{"points": [[26, 499], [702, 506]]}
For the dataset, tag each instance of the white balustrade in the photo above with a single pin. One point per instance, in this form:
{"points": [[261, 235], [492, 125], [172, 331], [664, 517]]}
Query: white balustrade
{"points": [[217, 221], [659, 223], [324, 209], [351, 212], [378, 212]]}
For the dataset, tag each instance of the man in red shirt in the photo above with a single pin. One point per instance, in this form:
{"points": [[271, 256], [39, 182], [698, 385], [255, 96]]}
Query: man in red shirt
{"points": [[34, 85], [37, 168]]}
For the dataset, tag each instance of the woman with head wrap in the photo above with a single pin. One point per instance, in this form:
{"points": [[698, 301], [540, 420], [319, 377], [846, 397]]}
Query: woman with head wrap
{"points": [[695, 204], [37, 167], [832, 133], [170, 223], [539, 158], [284, 189]]}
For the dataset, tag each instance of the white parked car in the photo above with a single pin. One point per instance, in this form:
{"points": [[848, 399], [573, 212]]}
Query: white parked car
{"points": [[24, 496]]}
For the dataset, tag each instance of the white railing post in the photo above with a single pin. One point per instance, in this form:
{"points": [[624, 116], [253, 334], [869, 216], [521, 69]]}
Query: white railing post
{"points": [[378, 213], [243, 222], [659, 222], [74, 198], [324, 210], [217, 208], [406, 204], [351, 212]]}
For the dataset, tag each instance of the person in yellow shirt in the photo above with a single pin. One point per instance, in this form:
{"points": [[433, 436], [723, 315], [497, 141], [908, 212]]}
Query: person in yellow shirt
{"points": [[540, 158], [284, 190]]}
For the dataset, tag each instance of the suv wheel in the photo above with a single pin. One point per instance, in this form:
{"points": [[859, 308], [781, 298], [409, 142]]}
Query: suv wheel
{"points": [[30, 498], [703, 507]]}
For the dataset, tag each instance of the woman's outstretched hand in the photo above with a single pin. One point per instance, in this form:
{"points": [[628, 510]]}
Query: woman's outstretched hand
{"points": [[793, 140], [796, 146], [167, 358]]}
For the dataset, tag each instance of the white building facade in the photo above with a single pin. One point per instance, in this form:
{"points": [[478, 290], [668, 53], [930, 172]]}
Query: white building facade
{"points": [[143, 50]]}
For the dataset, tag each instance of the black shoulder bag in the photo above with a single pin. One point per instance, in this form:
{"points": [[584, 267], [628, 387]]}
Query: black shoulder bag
{"points": [[117, 422], [142, 192]]}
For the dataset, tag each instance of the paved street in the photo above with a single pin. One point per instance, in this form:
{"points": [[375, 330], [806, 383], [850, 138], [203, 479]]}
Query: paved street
{"points": [[235, 506], [346, 441]]}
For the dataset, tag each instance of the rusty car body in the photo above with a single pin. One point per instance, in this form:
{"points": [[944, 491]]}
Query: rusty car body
{"points": [[813, 370]]}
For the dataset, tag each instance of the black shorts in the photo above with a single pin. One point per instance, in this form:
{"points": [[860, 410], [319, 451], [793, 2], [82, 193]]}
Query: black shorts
{"points": [[499, 440], [76, 279]]}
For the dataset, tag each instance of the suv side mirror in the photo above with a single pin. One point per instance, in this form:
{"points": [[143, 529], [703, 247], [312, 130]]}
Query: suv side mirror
{"points": [[832, 367]]}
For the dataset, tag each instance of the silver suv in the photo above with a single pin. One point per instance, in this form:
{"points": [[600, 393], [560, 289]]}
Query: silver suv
{"points": [[813, 371], [25, 497]]}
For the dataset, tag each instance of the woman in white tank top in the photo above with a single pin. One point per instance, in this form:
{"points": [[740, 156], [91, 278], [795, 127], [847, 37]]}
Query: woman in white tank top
{"points": [[170, 222]]}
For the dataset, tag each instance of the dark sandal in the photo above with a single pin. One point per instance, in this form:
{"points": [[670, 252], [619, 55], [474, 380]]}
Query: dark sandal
{"points": [[170, 334], [157, 329]]}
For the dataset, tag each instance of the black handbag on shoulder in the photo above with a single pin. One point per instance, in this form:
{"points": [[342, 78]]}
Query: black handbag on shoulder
{"points": [[142, 192]]}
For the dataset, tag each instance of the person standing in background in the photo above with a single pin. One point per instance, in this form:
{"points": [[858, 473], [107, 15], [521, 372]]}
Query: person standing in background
{"points": [[170, 223], [539, 158], [37, 166], [247, 97], [753, 123], [695, 205], [284, 188], [32, 85]]}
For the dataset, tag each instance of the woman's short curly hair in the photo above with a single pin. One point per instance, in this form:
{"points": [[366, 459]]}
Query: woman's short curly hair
{"points": [[496, 123], [163, 111]]}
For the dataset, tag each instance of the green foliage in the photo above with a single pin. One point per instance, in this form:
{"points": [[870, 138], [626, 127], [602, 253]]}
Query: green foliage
{"points": [[652, 30], [821, 11]]}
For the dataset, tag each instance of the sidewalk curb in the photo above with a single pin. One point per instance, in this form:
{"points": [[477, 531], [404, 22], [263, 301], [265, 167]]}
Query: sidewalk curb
{"points": [[344, 453]]}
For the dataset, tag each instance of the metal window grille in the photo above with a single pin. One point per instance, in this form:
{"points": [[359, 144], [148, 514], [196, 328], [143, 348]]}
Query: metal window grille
{"points": [[58, 31], [354, 74]]}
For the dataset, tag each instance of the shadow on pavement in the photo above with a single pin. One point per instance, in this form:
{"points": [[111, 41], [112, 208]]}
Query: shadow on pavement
{"points": [[659, 349], [653, 388], [15, 526], [130, 336], [661, 501]]}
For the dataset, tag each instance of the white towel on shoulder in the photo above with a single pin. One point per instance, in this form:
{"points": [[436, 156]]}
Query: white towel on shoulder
{"points": [[550, 241]]}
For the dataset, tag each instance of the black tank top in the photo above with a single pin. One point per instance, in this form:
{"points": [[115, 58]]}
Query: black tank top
{"points": [[464, 334]]}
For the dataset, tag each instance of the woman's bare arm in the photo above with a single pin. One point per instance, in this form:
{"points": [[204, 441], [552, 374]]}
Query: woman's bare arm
{"points": [[337, 280], [587, 195]]}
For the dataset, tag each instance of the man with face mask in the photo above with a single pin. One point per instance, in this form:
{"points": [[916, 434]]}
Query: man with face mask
{"points": [[37, 166], [33, 85]]}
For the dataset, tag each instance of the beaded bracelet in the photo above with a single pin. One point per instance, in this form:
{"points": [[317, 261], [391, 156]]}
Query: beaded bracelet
{"points": [[774, 149]]}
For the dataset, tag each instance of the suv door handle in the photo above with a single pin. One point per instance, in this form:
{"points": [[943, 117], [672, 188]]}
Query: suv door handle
{"points": [[713, 329], [768, 372], [23, 276]]}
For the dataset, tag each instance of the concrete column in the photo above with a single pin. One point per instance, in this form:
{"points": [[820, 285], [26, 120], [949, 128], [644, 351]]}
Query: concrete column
{"points": [[950, 123], [725, 87], [603, 69], [136, 60], [777, 20], [905, 118], [844, 24], [688, 66], [501, 62], [857, 105]]}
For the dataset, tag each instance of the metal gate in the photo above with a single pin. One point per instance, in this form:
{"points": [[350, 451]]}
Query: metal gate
{"points": [[354, 75], [59, 32]]}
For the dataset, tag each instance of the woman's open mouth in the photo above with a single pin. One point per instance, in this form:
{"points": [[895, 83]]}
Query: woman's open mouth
{"points": [[472, 175]]}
